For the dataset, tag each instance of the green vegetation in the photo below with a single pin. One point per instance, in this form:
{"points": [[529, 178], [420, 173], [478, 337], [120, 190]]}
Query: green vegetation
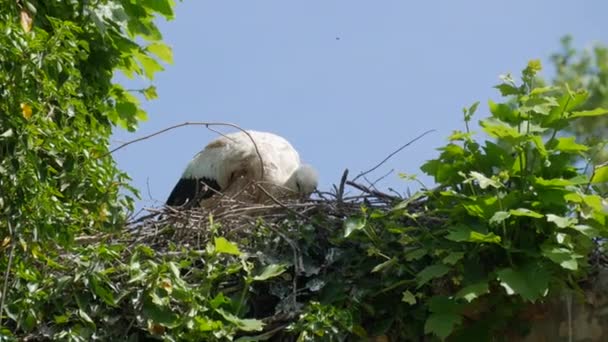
{"points": [[59, 105], [512, 221]]}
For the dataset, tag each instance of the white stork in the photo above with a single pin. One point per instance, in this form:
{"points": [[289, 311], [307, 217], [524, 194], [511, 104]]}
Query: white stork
{"points": [[231, 162]]}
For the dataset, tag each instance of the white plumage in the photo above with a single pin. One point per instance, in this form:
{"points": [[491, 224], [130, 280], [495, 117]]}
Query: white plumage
{"points": [[230, 163]]}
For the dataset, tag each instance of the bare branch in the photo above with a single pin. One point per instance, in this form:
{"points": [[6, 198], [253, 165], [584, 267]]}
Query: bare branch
{"points": [[372, 191], [392, 154], [340, 193], [206, 124]]}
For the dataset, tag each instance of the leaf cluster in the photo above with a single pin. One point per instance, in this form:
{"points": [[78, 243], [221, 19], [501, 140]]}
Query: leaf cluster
{"points": [[59, 105]]}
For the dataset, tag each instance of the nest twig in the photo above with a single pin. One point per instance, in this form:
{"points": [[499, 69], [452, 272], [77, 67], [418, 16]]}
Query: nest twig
{"points": [[192, 227]]}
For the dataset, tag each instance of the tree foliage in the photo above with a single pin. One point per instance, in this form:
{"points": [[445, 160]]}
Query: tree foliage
{"points": [[586, 69], [59, 105]]}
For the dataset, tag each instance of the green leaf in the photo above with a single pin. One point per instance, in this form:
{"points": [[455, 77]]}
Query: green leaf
{"points": [[540, 145], [159, 314], [460, 136], [126, 109], [566, 103], [562, 222], [530, 282], [205, 324], [499, 130], [242, 324], [164, 7], [453, 258], [431, 272], [499, 217], [507, 89], [408, 297], [539, 105], [483, 207], [441, 324], [543, 90], [415, 254], [352, 224], [484, 181], [473, 108], [600, 174], [568, 144], [488, 238], [270, 271], [174, 269], [595, 202], [386, 264], [564, 257], [224, 246], [586, 230], [149, 65], [452, 151], [555, 182], [102, 291], [503, 112], [144, 28], [473, 291], [525, 212], [61, 319], [7, 134], [218, 301], [466, 234], [85, 317], [150, 93], [162, 51], [587, 113]]}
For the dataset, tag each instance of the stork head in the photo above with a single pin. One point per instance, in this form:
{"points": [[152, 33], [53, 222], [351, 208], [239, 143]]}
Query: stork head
{"points": [[303, 180]]}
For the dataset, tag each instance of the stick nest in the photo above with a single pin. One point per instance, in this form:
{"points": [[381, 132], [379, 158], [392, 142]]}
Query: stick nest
{"points": [[194, 227]]}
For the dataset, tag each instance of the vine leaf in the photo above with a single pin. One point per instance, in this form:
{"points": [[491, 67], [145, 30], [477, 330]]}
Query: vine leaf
{"points": [[224, 246], [530, 282], [431, 272]]}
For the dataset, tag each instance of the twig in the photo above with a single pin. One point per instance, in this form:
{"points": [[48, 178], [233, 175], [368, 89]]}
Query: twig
{"points": [[206, 124], [275, 200], [371, 191], [381, 178], [148, 188], [89, 239], [340, 193], [220, 133], [392, 154]]}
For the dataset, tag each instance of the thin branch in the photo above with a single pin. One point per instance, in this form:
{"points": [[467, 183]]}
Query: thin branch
{"points": [[148, 189], [202, 123], [381, 178], [371, 191], [275, 200], [392, 154], [340, 193]]}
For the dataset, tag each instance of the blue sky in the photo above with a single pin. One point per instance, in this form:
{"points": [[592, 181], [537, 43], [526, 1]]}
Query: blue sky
{"points": [[345, 81]]}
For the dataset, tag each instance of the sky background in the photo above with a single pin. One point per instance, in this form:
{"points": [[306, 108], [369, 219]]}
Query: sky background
{"points": [[345, 81]]}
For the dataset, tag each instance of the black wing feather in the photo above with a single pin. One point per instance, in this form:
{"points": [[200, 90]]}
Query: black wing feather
{"points": [[188, 189]]}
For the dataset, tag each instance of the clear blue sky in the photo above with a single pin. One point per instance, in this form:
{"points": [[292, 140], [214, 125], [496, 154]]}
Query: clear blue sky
{"points": [[345, 81]]}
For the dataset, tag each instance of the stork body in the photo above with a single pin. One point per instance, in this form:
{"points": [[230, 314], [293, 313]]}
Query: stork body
{"points": [[231, 162]]}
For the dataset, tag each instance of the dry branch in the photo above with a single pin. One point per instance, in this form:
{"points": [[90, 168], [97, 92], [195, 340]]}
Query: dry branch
{"points": [[207, 125]]}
